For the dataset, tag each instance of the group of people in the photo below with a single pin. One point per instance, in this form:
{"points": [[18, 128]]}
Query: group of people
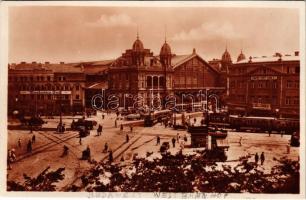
{"points": [[262, 158], [29, 144]]}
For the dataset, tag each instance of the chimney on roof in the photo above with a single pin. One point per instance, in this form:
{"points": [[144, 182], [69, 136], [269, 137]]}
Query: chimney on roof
{"points": [[47, 63], [34, 62], [194, 51], [23, 62], [296, 53], [62, 63]]}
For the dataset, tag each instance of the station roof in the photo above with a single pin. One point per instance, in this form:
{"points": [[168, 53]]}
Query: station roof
{"points": [[269, 59]]}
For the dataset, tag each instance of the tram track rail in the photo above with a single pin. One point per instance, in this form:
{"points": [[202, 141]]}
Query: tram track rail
{"points": [[44, 147]]}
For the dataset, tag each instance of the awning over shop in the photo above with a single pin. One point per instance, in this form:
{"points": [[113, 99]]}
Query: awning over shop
{"points": [[99, 85]]}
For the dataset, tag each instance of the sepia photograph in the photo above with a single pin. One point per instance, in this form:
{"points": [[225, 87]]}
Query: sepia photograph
{"points": [[163, 99]]}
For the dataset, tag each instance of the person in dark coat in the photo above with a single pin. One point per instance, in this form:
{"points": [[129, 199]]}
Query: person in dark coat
{"points": [[127, 138], [29, 146], [121, 127], [19, 143], [105, 147], [173, 142], [158, 140], [110, 156], [33, 139], [262, 158], [256, 158]]}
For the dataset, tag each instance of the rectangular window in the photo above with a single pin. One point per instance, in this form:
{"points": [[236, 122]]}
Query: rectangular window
{"points": [[297, 70], [77, 87], [289, 84], [288, 101], [77, 96], [48, 78]]}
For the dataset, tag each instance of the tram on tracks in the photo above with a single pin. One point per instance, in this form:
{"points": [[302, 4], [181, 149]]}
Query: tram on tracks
{"points": [[254, 123], [158, 116]]}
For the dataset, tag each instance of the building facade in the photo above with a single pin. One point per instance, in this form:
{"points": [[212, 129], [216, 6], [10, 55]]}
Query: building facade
{"points": [[265, 86], [136, 78], [45, 88], [140, 75]]}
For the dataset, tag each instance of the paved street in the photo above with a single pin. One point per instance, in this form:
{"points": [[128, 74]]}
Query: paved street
{"points": [[48, 148]]}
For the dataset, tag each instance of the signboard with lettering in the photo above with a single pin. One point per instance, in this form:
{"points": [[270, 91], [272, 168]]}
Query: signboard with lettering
{"points": [[255, 78], [262, 106], [45, 92]]}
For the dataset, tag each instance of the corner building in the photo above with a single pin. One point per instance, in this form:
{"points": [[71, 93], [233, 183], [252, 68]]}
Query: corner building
{"points": [[265, 86]]}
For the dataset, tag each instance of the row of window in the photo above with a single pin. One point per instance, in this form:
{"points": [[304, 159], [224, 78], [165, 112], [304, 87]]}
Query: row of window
{"points": [[36, 78], [264, 99], [254, 84], [47, 97], [243, 70], [293, 84], [292, 100], [47, 87]]}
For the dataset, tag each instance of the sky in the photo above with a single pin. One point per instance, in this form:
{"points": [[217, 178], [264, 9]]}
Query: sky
{"points": [[73, 34]]}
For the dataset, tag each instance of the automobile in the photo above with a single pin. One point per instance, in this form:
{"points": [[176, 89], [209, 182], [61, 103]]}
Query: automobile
{"points": [[89, 124]]}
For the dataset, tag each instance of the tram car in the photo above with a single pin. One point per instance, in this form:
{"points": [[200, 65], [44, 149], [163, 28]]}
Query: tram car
{"points": [[262, 124], [158, 116], [132, 117], [219, 119]]}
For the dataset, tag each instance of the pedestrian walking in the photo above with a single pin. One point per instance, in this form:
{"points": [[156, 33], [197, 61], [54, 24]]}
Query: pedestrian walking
{"points": [[103, 116], [115, 123], [185, 138], [33, 139], [288, 148], [9, 162], [80, 141], [173, 142], [105, 147], [121, 127], [158, 140], [256, 158], [19, 143], [88, 151], [127, 138], [177, 137], [99, 130], [262, 158], [29, 147], [110, 156], [240, 140], [131, 128]]}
